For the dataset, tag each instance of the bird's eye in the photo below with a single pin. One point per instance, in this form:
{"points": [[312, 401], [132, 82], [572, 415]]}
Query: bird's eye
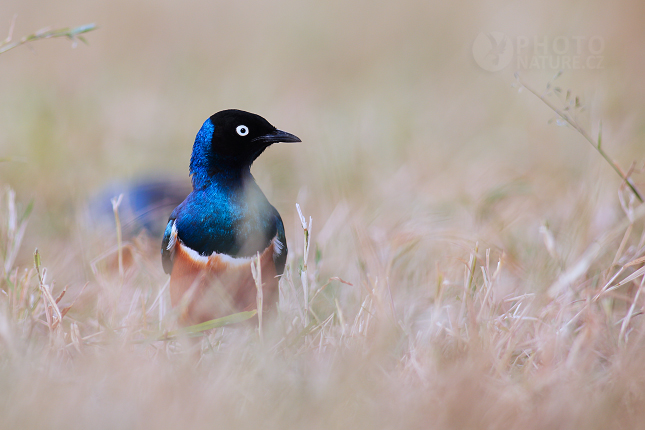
{"points": [[242, 130]]}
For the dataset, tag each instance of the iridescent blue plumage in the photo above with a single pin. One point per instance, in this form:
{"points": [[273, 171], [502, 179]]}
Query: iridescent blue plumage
{"points": [[227, 213], [202, 157]]}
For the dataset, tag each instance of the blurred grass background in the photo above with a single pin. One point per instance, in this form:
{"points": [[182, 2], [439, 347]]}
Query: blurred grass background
{"points": [[374, 89], [412, 153]]}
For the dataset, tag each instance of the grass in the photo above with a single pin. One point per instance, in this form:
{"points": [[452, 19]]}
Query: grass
{"points": [[454, 260], [482, 352], [568, 115], [71, 33]]}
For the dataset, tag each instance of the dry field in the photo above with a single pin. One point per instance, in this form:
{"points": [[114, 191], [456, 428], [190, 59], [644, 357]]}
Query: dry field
{"points": [[474, 262]]}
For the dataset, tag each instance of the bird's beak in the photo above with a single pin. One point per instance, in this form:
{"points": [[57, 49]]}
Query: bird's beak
{"points": [[277, 136]]}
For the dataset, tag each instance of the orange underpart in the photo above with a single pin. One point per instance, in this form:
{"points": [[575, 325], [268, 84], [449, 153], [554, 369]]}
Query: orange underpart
{"points": [[205, 290]]}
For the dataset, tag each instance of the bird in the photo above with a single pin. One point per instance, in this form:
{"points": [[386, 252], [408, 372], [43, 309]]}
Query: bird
{"points": [[220, 228], [143, 209]]}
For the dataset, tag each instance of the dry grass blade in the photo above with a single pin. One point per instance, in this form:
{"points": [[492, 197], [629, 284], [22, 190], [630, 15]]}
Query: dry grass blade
{"points": [[635, 262], [336, 278], [569, 276], [631, 277], [199, 329], [623, 328], [256, 271], [15, 229], [116, 203], [66, 309], [304, 277], [52, 313]]}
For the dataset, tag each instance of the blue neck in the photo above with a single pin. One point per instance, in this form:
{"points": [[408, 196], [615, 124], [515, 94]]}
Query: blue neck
{"points": [[206, 167]]}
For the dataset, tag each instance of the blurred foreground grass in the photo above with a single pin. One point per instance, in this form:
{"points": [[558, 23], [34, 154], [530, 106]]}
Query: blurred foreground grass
{"points": [[471, 266]]}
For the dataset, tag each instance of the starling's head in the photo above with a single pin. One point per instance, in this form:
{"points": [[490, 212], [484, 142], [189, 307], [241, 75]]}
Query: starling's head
{"points": [[232, 139]]}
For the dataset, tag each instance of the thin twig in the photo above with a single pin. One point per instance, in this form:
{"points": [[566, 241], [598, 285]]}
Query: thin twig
{"points": [[70, 33], [597, 146]]}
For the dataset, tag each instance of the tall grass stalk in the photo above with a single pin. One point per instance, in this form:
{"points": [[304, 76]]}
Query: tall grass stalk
{"points": [[73, 34], [256, 271], [574, 103], [304, 276]]}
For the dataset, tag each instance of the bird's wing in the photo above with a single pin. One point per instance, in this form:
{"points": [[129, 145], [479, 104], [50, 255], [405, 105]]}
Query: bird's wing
{"points": [[279, 247], [168, 246]]}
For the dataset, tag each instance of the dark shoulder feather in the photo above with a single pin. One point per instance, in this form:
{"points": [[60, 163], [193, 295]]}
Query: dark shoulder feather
{"points": [[168, 246], [280, 257]]}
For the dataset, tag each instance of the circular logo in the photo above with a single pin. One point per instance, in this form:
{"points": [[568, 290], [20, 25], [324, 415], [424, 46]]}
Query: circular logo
{"points": [[492, 51]]}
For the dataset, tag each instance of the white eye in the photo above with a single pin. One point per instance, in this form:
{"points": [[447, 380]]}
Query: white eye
{"points": [[242, 130]]}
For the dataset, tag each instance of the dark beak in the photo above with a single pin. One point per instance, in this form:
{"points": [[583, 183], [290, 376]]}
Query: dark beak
{"points": [[277, 136]]}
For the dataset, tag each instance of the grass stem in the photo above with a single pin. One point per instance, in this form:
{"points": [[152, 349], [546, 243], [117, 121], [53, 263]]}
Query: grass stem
{"points": [[596, 145]]}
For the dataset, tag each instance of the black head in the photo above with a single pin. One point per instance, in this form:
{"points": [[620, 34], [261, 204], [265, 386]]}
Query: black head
{"points": [[243, 136], [232, 139]]}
